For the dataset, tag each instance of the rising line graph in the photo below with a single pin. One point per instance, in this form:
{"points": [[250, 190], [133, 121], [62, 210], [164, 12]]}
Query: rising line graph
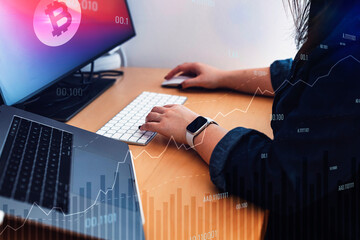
{"points": [[178, 146], [47, 213], [258, 90]]}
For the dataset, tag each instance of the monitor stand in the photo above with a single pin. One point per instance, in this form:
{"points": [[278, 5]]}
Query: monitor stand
{"points": [[65, 99]]}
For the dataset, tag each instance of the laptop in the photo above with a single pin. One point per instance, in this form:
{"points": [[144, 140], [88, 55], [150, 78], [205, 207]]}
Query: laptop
{"points": [[66, 177]]}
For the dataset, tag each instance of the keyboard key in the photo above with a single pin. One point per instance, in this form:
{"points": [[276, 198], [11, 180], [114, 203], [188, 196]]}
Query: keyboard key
{"points": [[133, 139], [117, 135], [138, 135], [148, 134], [125, 127], [100, 132], [118, 125], [121, 131], [142, 141], [125, 137], [134, 128], [105, 128]]}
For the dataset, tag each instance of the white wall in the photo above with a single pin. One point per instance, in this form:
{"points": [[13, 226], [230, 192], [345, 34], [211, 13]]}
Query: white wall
{"points": [[228, 34]]}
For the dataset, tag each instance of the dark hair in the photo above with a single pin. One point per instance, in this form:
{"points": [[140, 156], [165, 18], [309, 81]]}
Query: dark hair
{"points": [[315, 19], [300, 14]]}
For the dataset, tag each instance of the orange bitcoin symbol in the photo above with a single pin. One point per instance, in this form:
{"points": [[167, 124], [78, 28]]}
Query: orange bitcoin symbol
{"points": [[51, 10]]}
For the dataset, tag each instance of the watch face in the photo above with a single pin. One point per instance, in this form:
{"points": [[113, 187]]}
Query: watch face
{"points": [[196, 124]]}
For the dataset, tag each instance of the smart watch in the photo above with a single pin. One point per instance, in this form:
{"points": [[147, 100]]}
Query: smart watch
{"points": [[196, 127]]}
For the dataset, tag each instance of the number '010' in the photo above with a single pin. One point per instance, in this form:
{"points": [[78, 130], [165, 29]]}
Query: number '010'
{"points": [[89, 5]]}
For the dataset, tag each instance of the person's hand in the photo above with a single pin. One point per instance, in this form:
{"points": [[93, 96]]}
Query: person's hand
{"points": [[170, 121], [204, 76]]}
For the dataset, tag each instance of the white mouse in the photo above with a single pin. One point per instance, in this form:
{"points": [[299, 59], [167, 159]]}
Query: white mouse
{"points": [[174, 82]]}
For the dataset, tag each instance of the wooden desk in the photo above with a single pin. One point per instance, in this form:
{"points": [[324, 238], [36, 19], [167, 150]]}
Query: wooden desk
{"points": [[174, 182]]}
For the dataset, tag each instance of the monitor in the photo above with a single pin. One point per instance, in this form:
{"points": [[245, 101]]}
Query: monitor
{"points": [[43, 41]]}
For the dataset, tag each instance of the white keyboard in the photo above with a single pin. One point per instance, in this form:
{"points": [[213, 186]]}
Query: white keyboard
{"points": [[125, 125]]}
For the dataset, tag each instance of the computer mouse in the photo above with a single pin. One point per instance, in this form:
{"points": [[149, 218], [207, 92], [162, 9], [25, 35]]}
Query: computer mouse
{"points": [[174, 82]]}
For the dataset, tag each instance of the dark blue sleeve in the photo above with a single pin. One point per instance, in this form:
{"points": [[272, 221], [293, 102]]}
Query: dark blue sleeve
{"points": [[239, 159], [279, 71]]}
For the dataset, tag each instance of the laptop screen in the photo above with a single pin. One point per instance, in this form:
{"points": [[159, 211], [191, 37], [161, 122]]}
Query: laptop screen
{"points": [[42, 41]]}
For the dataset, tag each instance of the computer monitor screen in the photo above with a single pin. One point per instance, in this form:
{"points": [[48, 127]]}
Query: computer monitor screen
{"points": [[42, 41]]}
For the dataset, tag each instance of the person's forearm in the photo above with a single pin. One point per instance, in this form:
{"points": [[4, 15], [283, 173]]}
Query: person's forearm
{"points": [[207, 140], [249, 81]]}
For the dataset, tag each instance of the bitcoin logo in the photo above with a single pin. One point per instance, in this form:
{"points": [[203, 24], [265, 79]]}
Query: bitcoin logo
{"points": [[51, 8], [56, 21]]}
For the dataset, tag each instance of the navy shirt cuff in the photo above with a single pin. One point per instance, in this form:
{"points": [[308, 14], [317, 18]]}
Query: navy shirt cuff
{"points": [[279, 71], [221, 153]]}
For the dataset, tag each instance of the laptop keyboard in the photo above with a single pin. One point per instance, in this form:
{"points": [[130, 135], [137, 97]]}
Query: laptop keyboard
{"points": [[35, 164], [125, 125]]}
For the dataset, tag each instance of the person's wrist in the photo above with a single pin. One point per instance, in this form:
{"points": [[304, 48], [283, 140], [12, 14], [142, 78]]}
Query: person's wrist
{"points": [[198, 139], [223, 79]]}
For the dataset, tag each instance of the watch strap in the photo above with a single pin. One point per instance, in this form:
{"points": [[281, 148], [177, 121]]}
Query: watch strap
{"points": [[190, 139]]}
